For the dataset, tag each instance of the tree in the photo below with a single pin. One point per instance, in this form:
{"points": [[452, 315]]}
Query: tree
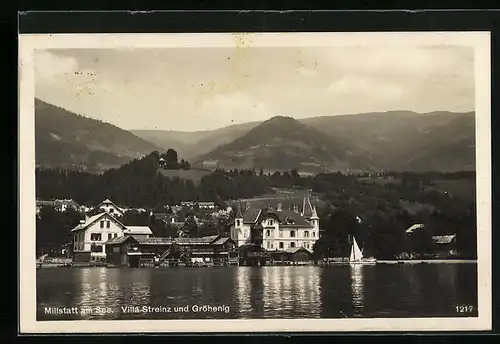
{"points": [[171, 159], [191, 227]]}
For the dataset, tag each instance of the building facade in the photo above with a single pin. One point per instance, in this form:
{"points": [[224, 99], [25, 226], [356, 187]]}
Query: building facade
{"points": [[275, 228], [90, 236]]}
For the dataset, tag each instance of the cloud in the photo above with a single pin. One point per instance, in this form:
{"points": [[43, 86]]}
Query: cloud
{"points": [[49, 66], [202, 88], [359, 87]]}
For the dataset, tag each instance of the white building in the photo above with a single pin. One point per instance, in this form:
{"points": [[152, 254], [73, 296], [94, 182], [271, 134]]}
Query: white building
{"points": [[90, 235], [281, 228], [111, 208], [206, 205]]}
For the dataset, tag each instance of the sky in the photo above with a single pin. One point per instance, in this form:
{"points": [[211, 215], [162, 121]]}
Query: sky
{"points": [[191, 89]]}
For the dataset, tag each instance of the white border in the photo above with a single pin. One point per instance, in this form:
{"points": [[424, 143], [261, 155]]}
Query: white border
{"points": [[480, 41]]}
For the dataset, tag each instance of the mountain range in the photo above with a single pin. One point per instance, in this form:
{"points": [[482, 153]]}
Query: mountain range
{"points": [[394, 140], [67, 140]]}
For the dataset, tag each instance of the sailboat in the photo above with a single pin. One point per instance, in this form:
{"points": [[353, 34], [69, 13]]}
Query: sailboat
{"points": [[356, 256]]}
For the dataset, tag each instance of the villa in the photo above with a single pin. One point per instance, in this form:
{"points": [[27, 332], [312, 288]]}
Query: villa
{"points": [[277, 228], [90, 236]]}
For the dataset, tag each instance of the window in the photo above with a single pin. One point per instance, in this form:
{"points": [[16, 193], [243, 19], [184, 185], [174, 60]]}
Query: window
{"points": [[96, 248], [281, 245], [270, 222], [116, 249], [268, 244], [314, 234], [111, 210], [306, 234], [272, 246], [107, 224], [307, 245], [102, 224], [76, 237], [281, 234], [237, 222], [292, 234], [268, 233], [95, 237], [292, 244]]}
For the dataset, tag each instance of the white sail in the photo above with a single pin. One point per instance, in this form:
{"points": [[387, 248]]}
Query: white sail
{"points": [[356, 254]]}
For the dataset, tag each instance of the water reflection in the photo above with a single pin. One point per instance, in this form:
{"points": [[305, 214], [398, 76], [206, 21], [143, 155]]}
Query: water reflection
{"points": [[265, 292], [357, 287], [112, 288], [274, 292]]}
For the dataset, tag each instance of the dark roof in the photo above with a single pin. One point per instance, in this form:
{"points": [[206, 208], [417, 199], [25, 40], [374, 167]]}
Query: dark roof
{"points": [[296, 249], [307, 208], [221, 241], [288, 218], [197, 241], [154, 241], [119, 240], [251, 215]]}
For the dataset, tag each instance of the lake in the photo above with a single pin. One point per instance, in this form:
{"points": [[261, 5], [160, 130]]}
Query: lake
{"points": [[287, 292]]}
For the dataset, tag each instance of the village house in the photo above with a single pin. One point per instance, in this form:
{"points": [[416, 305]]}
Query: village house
{"points": [[445, 245], [206, 205], [211, 165], [90, 236], [277, 228], [63, 205], [109, 207]]}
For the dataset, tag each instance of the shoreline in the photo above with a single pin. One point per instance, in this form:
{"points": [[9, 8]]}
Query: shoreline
{"points": [[381, 262]]}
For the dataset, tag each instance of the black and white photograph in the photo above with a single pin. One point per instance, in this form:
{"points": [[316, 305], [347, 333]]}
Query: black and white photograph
{"points": [[255, 182]]}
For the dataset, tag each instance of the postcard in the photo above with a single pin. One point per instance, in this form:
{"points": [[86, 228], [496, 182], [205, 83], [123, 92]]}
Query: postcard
{"points": [[255, 182]]}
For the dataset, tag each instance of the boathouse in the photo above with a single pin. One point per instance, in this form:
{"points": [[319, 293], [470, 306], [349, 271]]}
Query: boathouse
{"points": [[135, 251], [291, 256]]}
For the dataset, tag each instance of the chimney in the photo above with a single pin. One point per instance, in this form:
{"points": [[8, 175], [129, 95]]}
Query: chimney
{"points": [[279, 206]]}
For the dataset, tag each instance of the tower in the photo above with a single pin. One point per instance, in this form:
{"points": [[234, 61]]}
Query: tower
{"points": [[315, 218], [238, 224]]}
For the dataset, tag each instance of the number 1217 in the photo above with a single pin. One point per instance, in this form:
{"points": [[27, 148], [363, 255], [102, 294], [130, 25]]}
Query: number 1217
{"points": [[464, 308]]}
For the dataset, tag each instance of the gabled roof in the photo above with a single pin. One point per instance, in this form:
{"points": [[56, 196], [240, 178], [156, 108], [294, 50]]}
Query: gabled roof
{"points": [[296, 249], [119, 240], [138, 230], [443, 239], [207, 240], [91, 220], [108, 201]]}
